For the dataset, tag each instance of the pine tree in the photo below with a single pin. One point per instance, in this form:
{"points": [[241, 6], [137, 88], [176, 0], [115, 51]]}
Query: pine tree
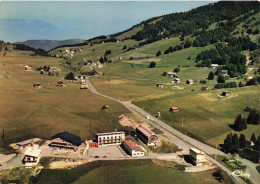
{"points": [[228, 143], [211, 76], [240, 123], [235, 144], [221, 79], [257, 144], [253, 117], [242, 141], [158, 53]]}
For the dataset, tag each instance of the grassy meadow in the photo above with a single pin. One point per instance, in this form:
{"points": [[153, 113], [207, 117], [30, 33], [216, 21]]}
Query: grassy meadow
{"points": [[26, 112], [128, 171]]}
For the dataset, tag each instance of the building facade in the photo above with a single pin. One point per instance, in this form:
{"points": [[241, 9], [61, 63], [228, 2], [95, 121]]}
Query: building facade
{"points": [[198, 157], [133, 149], [31, 156], [110, 138], [147, 136]]}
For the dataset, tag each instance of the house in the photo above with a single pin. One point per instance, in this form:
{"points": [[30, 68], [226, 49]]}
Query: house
{"points": [[37, 86], [26, 67], [83, 86], [189, 81], [224, 72], [175, 80], [159, 85], [204, 88], [110, 138], [251, 154], [24, 144], [198, 157], [133, 149], [60, 83], [174, 109], [225, 93], [42, 71], [31, 156], [177, 87], [249, 78], [91, 144], [171, 74], [65, 140], [214, 65], [147, 136]]}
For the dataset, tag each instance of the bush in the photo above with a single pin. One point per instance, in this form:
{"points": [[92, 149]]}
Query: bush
{"points": [[177, 70], [221, 79], [158, 53], [152, 64], [226, 85]]}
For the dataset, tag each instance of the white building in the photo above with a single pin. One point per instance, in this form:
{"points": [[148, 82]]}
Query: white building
{"points": [[110, 138], [133, 149], [32, 156], [198, 157]]}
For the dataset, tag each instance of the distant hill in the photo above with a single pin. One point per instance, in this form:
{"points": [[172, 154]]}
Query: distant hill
{"points": [[50, 44]]}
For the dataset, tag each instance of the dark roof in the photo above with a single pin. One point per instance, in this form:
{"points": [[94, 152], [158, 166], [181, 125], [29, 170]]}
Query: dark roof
{"points": [[66, 136]]}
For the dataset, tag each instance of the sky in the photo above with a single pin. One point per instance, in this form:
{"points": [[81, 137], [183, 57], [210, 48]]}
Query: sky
{"points": [[59, 20]]}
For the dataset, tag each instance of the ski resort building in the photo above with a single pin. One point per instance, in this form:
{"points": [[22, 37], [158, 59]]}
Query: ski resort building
{"points": [[110, 138], [147, 136], [133, 149]]}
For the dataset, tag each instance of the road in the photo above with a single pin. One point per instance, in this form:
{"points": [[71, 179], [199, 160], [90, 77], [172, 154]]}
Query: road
{"points": [[174, 135]]}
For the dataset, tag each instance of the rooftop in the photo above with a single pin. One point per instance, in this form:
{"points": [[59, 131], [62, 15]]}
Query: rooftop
{"points": [[197, 151], [133, 146], [33, 151], [73, 139], [109, 133], [146, 131]]}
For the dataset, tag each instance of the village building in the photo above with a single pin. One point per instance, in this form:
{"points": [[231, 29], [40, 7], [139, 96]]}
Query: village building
{"points": [[110, 138], [174, 109], [60, 83], [37, 86], [26, 67], [159, 85], [91, 144], [198, 157], [133, 149], [24, 144], [147, 136], [42, 71], [249, 77], [204, 88], [83, 86], [224, 72], [177, 87], [176, 80], [31, 156], [225, 93], [171, 74], [214, 65], [65, 140], [189, 81]]}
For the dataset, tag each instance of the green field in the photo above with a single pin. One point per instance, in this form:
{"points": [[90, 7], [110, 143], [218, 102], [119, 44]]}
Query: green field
{"points": [[26, 112], [134, 171]]}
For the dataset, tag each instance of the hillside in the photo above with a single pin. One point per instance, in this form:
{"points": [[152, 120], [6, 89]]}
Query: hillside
{"points": [[229, 37], [49, 44]]}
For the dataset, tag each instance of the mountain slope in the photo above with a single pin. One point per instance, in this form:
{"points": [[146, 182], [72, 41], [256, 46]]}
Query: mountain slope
{"points": [[50, 44]]}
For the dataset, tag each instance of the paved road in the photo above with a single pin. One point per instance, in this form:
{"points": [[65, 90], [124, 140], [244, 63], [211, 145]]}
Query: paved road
{"points": [[177, 137]]}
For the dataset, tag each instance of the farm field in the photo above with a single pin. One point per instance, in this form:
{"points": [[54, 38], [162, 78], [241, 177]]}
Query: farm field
{"points": [[26, 112], [134, 171]]}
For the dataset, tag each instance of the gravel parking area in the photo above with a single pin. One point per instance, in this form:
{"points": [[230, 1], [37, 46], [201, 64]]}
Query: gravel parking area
{"points": [[106, 151]]}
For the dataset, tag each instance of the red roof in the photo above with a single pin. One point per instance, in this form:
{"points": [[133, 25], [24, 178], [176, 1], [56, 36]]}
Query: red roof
{"points": [[133, 145], [145, 131], [174, 108]]}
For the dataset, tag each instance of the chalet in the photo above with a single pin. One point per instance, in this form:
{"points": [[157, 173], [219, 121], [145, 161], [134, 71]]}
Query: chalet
{"points": [[189, 81], [133, 149], [249, 78], [26, 67], [204, 88], [37, 86], [91, 144], [105, 107], [175, 80], [31, 156], [65, 140], [159, 85], [224, 72], [60, 83], [171, 74], [42, 71], [214, 65], [225, 93], [83, 86], [198, 157], [24, 144], [174, 109], [110, 138], [147, 136]]}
